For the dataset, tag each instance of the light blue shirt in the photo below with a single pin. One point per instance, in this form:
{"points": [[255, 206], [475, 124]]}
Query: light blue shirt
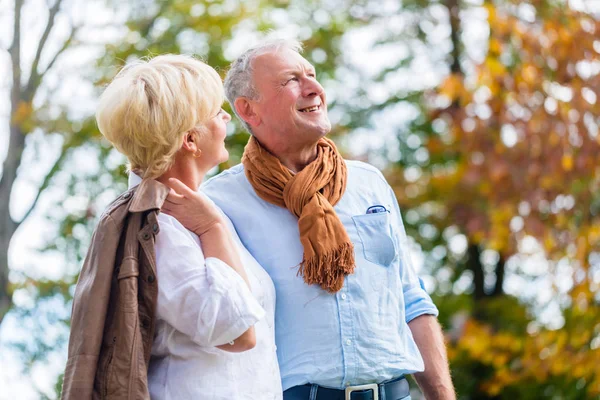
{"points": [[360, 334]]}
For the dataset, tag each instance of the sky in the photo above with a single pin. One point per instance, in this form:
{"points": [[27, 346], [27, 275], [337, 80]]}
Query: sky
{"points": [[70, 87]]}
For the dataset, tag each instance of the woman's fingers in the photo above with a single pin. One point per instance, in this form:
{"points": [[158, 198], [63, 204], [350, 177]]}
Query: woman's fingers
{"points": [[174, 197], [180, 187]]}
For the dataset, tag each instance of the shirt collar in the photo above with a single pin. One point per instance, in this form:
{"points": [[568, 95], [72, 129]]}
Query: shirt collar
{"points": [[133, 180], [150, 195]]}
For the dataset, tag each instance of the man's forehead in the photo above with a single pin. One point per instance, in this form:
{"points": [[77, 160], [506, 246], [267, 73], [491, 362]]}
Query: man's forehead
{"points": [[280, 61]]}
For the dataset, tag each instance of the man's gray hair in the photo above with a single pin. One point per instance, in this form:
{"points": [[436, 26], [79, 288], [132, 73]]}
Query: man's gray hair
{"points": [[239, 82]]}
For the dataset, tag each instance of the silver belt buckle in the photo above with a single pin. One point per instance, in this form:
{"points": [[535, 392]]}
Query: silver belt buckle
{"points": [[372, 386]]}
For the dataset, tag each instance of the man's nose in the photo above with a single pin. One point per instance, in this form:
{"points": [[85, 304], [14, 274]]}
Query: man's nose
{"points": [[312, 87]]}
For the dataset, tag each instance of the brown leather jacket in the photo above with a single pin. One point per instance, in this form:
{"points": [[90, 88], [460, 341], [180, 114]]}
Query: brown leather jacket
{"points": [[113, 318]]}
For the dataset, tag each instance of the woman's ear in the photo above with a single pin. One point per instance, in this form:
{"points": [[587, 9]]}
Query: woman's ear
{"points": [[190, 141], [246, 110]]}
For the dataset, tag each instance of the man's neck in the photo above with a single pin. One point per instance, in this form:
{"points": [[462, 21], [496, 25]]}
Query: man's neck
{"points": [[298, 159], [293, 157]]}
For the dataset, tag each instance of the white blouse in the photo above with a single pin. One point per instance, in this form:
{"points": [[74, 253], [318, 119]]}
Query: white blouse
{"points": [[203, 303]]}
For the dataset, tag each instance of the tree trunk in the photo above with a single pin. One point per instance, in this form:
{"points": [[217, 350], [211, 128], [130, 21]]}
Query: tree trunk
{"points": [[21, 99], [474, 264], [11, 163], [8, 226], [500, 270], [5, 296], [453, 7]]}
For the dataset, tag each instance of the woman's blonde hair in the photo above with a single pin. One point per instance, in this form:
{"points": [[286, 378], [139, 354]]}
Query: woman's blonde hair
{"points": [[149, 107]]}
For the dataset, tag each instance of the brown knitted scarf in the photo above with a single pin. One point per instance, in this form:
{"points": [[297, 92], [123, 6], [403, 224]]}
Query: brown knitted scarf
{"points": [[310, 195]]}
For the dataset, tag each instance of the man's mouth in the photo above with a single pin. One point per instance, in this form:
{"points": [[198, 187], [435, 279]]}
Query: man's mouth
{"points": [[310, 109]]}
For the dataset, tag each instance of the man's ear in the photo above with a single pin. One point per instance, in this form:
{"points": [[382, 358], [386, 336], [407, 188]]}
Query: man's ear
{"points": [[245, 109]]}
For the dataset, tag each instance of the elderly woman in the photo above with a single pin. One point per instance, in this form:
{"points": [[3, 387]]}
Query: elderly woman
{"points": [[160, 310]]}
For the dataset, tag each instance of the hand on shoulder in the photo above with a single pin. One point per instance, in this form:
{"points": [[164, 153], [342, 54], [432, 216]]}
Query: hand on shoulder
{"points": [[191, 208]]}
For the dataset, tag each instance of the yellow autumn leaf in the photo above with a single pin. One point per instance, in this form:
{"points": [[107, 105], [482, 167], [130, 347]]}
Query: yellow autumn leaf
{"points": [[22, 113], [451, 87], [567, 162], [547, 182], [530, 74], [495, 67], [593, 234], [495, 46], [491, 10], [549, 242]]}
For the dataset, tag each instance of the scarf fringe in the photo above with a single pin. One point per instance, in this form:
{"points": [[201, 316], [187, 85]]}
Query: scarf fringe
{"points": [[328, 270]]}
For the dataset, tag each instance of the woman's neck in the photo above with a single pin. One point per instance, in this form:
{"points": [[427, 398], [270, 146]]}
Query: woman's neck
{"points": [[187, 173]]}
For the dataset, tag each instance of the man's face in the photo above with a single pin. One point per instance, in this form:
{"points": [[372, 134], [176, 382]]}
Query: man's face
{"points": [[292, 108]]}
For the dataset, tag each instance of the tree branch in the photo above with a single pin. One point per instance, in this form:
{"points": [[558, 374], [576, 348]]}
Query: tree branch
{"points": [[15, 49], [55, 168], [34, 76], [64, 47]]}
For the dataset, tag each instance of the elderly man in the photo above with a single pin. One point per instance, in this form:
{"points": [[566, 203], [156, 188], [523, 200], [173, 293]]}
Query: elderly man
{"points": [[352, 319]]}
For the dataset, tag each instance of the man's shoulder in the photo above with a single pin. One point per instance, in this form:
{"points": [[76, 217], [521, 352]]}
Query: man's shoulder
{"points": [[364, 170], [224, 178], [232, 175]]}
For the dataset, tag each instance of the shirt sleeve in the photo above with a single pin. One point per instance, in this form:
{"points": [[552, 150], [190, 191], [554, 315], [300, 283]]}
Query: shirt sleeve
{"points": [[416, 300], [204, 299]]}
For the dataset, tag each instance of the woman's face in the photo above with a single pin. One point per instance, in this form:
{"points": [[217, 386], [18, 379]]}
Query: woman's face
{"points": [[212, 140]]}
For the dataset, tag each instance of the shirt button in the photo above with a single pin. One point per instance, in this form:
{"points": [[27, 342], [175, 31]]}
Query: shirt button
{"points": [[348, 342], [347, 383], [155, 228], [344, 296], [150, 278]]}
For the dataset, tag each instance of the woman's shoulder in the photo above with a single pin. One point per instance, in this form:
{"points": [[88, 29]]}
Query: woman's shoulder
{"points": [[173, 236]]}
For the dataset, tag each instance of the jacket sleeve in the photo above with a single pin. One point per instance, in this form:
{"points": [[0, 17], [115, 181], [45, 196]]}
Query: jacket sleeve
{"points": [[204, 299]]}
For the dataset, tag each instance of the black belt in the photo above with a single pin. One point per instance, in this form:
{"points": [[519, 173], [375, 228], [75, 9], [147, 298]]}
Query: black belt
{"points": [[391, 390]]}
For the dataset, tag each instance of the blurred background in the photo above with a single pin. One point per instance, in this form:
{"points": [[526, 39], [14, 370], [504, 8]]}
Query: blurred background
{"points": [[482, 114]]}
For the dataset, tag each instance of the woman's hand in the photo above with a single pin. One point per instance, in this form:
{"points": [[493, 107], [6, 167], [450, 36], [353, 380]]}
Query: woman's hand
{"points": [[192, 209]]}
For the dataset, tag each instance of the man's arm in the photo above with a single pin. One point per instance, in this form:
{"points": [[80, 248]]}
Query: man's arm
{"points": [[435, 381]]}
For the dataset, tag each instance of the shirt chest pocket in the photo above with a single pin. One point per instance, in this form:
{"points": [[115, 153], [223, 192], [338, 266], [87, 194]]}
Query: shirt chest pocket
{"points": [[374, 233]]}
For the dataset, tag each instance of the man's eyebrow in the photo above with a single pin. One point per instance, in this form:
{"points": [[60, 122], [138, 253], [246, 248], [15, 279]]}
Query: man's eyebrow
{"points": [[310, 68], [288, 72]]}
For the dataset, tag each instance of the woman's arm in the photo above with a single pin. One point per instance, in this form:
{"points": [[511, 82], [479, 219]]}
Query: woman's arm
{"points": [[217, 242], [194, 211]]}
